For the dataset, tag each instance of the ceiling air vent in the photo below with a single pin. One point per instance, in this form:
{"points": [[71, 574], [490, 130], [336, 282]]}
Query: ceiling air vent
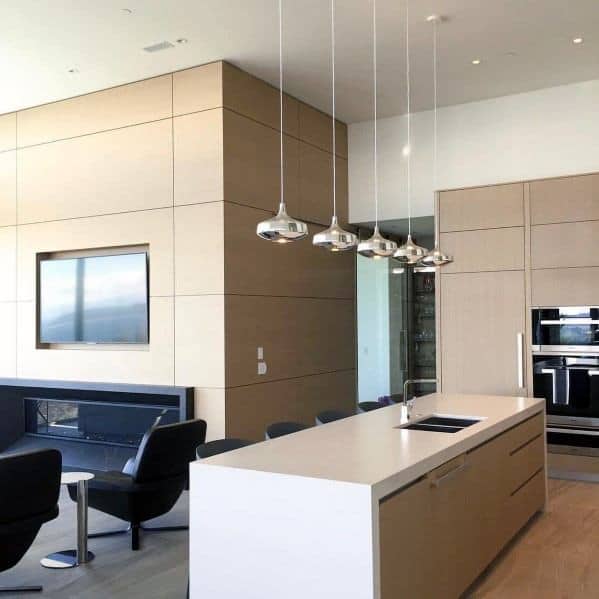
{"points": [[159, 47]]}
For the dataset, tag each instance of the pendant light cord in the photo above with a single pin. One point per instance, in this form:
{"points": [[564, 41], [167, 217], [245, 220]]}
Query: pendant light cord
{"points": [[376, 190], [281, 94], [333, 99], [409, 148], [435, 19]]}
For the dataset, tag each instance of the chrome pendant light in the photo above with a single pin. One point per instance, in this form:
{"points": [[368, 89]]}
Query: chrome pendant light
{"points": [[281, 228], [376, 246], [334, 239], [409, 252]]}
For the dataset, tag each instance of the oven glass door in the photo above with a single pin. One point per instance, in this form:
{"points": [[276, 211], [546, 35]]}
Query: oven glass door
{"points": [[566, 328]]}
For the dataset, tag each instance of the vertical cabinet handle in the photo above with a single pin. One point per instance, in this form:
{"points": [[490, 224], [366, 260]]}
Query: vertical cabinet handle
{"points": [[520, 358]]}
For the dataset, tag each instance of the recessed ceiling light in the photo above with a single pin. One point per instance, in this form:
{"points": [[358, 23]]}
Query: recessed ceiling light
{"points": [[182, 40], [73, 71], [126, 11], [476, 61], [577, 40]]}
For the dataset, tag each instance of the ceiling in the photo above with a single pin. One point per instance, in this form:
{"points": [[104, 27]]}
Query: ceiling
{"points": [[522, 45]]}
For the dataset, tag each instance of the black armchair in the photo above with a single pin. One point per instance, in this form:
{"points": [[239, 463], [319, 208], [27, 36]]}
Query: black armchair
{"points": [[150, 485], [30, 484]]}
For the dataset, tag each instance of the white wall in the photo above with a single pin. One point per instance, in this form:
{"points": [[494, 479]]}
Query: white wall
{"points": [[539, 134]]}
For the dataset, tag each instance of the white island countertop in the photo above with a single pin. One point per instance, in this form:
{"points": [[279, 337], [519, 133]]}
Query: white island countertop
{"points": [[368, 449]]}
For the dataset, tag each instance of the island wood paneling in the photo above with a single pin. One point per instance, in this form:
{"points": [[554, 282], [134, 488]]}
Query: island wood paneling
{"points": [[482, 207], [140, 102], [8, 188], [565, 286], [8, 131], [566, 199]]}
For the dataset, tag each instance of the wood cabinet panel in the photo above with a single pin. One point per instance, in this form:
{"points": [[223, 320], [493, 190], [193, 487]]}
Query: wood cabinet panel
{"points": [[8, 131], [296, 269], [565, 287], [300, 336], [198, 88], [482, 315], [252, 165], [131, 104], [115, 171], [565, 245], [564, 200], [198, 157], [484, 250], [250, 409], [8, 188], [482, 207], [315, 127], [526, 461], [523, 504]]}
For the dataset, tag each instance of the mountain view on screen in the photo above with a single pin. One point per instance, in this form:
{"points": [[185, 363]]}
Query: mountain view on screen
{"points": [[98, 299]]}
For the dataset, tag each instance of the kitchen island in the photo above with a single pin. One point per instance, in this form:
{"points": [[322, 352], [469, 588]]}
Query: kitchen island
{"points": [[365, 508]]}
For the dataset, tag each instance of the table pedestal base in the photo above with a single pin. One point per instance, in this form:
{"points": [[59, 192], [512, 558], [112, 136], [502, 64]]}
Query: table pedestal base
{"points": [[65, 559]]}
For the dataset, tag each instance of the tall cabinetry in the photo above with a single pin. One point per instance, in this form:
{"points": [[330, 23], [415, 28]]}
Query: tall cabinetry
{"points": [[482, 294]]}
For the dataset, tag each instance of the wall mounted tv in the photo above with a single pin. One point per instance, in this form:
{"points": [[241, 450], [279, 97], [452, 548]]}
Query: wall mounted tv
{"points": [[93, 298]]}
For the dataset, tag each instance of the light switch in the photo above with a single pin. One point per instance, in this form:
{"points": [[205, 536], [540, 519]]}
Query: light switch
{"points": [[262, 368], [260, 353]]}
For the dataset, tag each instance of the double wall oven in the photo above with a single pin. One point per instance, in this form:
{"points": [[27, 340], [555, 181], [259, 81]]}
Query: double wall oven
{"points": [[565, 345]]}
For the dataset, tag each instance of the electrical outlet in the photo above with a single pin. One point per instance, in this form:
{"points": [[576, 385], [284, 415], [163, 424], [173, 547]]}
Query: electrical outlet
{"points": [[262, 368], [260, 353]]}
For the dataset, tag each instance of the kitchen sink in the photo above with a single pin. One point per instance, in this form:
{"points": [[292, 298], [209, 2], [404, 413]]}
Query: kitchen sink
{"points": [[441, 424]]}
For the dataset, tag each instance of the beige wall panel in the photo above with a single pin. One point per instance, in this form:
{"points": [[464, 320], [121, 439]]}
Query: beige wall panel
{"points": [[8, 347], [200, 341], [482, 207], [139, 102], [247, 95], [116, 171], [199, 249], [198, 143], [315, 128], [565, 287], [565, 244], [252, 164], [249, 410], [316, 185], [300, 336], [8, 131], [8, 264], [210, 406], [477, 251], [199, 88], [153, 227], [8, 188], [564, 200], [256, 267], [152, 365]]}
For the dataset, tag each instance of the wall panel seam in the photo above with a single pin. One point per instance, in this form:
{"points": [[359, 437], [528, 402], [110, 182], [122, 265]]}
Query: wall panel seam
{"points": [[292, 378], [483, 229]]}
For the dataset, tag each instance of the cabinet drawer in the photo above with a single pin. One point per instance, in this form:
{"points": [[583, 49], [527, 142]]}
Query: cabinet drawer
{"points": [[521, 434], [482, 207], [525, 461], [523, 504], [565, 245]]}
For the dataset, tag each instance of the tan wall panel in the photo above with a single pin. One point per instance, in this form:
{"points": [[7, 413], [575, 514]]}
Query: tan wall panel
{"points": [[210, 406], [153, 227], [198, 143], [565, 287], [199, 88], [8, 188], [252, 164], [256, 267], [564, 200], [249, 410], [300, 336], [247, 95], [139, 102], [565, 244], [152, 365], [8, 131], [8, 326], [8, 264], [116, 171], [200, 341], [199, 249], [482, 207], [478, 251], [315, 128]]}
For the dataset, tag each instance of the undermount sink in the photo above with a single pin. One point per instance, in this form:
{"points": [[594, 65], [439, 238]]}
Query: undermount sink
{"points": [[441, 424]]}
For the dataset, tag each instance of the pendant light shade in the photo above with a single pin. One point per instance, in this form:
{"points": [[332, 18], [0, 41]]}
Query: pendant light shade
{"points": [[376, 246], [334, 239], [281, 228], [436, 258], [410, 252]]}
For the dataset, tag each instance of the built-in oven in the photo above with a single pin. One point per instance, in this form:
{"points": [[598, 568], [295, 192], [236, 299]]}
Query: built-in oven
{"points": [[566, 329]]}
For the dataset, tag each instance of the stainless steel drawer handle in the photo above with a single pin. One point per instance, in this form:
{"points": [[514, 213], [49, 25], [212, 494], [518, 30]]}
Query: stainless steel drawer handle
{"points": [[567, 321], [520, 358], [593, 372]]}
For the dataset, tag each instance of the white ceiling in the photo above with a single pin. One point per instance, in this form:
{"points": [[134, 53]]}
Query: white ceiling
{"points": [[523, 45]]}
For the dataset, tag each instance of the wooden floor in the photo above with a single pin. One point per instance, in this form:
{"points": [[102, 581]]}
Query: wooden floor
{"points": [[556, 556], [157, 571]]}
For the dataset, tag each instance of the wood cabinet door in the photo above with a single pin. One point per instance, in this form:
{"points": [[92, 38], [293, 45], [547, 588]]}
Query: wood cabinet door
{"points": [[482, 332]]}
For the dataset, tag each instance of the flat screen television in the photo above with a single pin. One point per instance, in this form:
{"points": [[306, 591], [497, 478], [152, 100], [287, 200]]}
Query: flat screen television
{"points": [[94, 299]]}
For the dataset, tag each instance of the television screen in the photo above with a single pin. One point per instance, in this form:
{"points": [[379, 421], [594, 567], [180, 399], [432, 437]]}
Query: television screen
{"points": [[95, 299]]}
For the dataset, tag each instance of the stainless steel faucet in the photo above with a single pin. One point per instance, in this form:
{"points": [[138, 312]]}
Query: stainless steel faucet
{"points": [[409, 382]]}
